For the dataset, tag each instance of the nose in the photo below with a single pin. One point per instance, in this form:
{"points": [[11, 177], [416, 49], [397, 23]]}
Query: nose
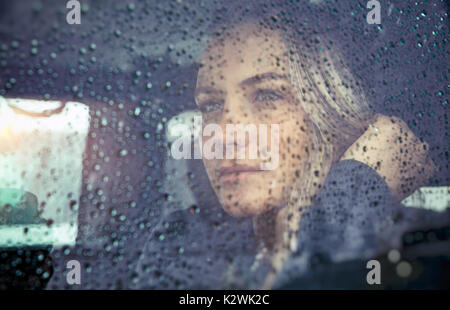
{"points": [[234, 114], [233, 109]]}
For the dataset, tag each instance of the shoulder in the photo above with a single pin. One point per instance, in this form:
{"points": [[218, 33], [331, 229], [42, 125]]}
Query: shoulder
{"points": [[355, 217], [349, 214], [353, 187]]}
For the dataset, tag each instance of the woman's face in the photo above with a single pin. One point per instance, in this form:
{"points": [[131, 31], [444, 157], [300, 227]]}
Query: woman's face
{"points": [[245, 79]]}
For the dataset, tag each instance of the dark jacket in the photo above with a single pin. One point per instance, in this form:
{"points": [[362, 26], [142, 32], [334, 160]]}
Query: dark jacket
{"points": [[353, 216]]}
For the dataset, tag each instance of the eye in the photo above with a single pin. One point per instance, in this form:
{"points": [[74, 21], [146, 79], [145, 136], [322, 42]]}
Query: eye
{"points": [[209, 106], [264, 95]]}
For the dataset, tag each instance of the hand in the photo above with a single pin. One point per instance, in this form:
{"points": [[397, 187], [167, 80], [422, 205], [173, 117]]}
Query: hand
{"points": [[400, 158]]}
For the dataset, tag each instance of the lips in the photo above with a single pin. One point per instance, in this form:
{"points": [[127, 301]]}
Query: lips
{"points": [[236, 173]]}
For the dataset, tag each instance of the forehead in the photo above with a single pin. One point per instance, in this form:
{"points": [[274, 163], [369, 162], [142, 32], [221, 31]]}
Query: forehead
{"points": [[240, 54]]}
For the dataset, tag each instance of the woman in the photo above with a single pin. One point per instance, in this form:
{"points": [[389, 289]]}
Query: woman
{"points": [[256, 73]]}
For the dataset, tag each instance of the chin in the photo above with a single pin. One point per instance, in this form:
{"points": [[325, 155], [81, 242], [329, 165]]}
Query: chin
{"points": [[242, 210]]}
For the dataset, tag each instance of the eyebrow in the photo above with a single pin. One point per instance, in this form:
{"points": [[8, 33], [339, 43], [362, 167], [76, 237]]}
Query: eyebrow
{"points": [[262, 77], [206, 90], [247, 82]]}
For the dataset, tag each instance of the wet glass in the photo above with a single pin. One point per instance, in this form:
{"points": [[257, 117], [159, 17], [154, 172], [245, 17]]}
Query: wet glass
{"points": [[123, 163]]}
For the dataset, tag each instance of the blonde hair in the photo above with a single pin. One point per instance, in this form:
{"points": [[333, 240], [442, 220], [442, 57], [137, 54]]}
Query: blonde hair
{"points": [[339, 113]]}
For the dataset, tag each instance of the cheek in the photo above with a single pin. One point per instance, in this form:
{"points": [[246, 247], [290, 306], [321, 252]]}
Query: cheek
{"points": [[292, 140], [293, 143]]}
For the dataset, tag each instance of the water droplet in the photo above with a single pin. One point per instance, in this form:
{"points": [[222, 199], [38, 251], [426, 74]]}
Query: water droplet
{"points": [[404, 269]]}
